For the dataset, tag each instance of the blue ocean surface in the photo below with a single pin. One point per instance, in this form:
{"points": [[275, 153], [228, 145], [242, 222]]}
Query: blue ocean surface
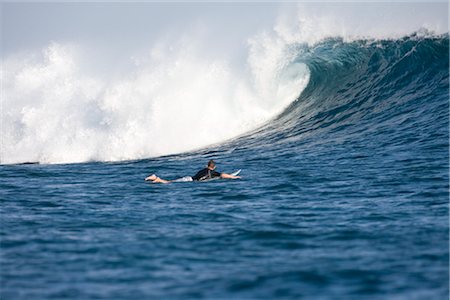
{"points": [[345, 195]]}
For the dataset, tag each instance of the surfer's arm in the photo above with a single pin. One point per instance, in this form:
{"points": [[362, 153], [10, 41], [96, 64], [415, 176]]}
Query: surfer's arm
{"points": [[228, 176]]}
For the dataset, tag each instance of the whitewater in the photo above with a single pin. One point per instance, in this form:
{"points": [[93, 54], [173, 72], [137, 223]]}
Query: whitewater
{"points": [[337, 114]]}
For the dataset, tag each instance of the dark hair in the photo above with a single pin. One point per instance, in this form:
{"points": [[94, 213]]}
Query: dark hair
{"points": [[211, 163]]}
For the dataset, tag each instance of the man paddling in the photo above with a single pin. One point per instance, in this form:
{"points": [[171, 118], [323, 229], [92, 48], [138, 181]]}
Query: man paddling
{"points": [[204, 174]]}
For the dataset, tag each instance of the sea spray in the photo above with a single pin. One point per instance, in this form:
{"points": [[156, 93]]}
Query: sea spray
{"points": [[173, 101]]}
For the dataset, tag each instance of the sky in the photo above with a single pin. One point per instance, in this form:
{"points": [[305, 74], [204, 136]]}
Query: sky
{"points": [[126, 26]]}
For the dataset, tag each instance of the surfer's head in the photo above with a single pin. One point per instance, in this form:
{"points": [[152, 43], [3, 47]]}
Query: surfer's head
{"points": [[211, 165]]}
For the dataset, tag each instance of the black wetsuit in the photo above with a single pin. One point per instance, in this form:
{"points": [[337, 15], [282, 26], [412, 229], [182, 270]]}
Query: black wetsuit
{"points": [[205, 174]]}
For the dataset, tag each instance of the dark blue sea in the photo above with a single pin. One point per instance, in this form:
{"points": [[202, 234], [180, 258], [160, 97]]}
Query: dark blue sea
{"points": [[345, 195]]}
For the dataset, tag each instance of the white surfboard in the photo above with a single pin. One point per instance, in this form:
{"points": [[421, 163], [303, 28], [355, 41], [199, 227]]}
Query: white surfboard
{"points": [[236, 173]]}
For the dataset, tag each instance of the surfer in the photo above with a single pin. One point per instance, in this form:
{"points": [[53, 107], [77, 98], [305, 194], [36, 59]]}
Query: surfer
{"points": [[207, 173]]}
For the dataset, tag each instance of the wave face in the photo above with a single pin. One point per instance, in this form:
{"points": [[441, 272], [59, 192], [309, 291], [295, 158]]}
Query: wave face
{"points": [[366, 89]]}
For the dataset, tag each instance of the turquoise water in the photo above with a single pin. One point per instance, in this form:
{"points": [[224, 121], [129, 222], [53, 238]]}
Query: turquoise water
{"points": [[344, 195]]}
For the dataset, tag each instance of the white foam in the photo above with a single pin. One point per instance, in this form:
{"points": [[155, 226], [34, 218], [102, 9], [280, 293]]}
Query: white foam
{"points": [[176, 100]]}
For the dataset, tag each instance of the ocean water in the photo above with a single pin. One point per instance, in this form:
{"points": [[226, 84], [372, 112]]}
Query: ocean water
{"points": [[344, 195]]}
